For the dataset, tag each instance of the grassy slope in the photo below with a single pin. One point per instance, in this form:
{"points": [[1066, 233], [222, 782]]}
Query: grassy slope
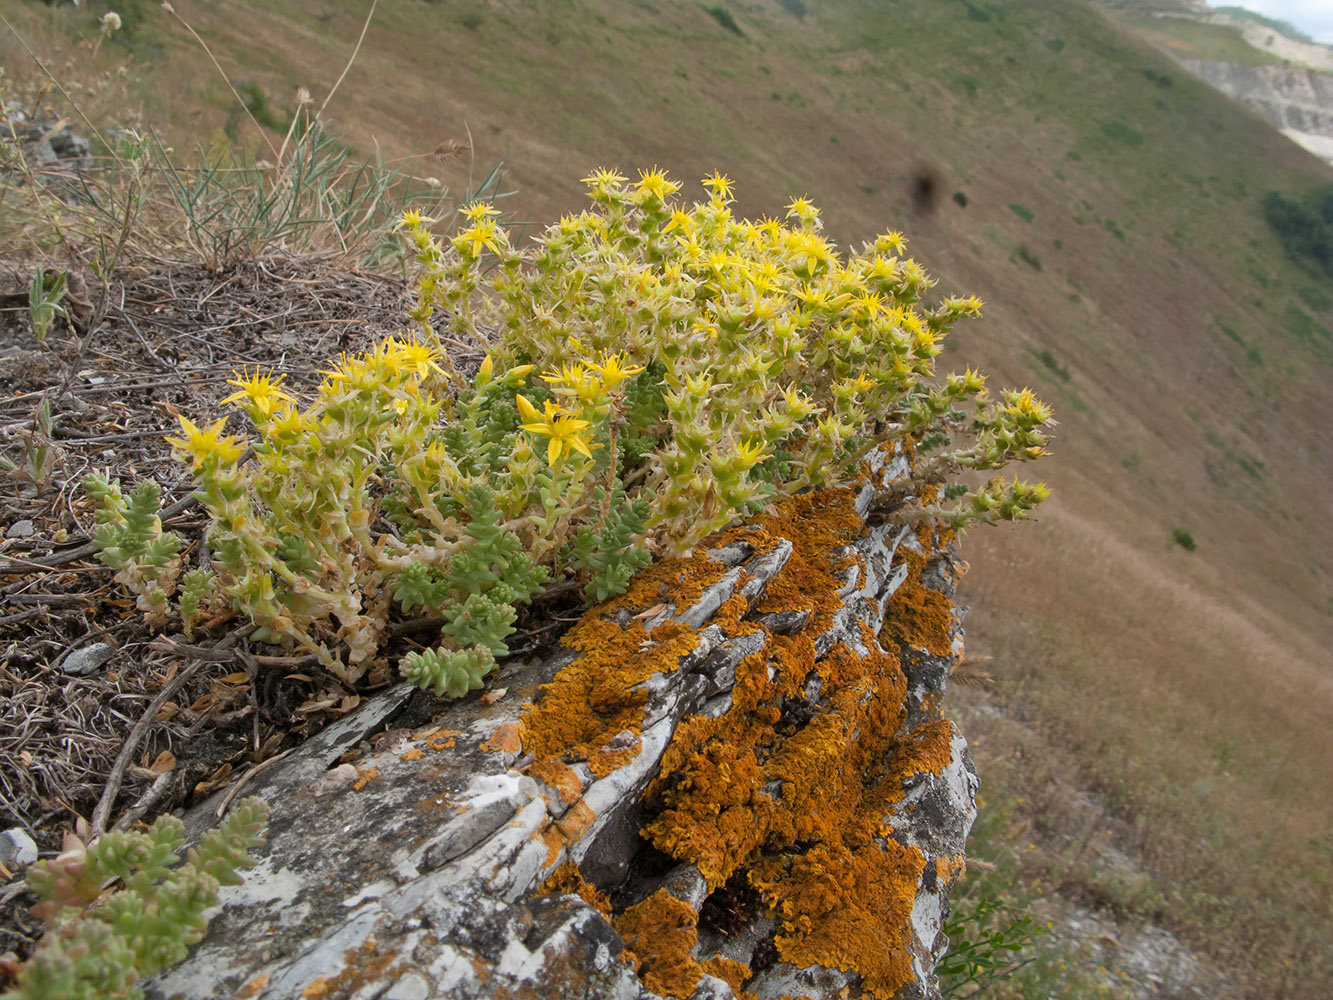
{"points": [[1189, 373]]}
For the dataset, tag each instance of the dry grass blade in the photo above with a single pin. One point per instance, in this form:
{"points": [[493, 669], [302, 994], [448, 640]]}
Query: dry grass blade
{"points": [[972, 678], [451, 149]]}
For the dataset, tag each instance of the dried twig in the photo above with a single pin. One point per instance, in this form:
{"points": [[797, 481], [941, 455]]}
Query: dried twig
{"points": [[98, 824], [236, 788], [146, 801]]}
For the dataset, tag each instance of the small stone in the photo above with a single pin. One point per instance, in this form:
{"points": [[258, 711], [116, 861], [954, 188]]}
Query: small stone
{"points": [[337, 779], [85, 661], [409, 987], [17, 849], [21, 529]]}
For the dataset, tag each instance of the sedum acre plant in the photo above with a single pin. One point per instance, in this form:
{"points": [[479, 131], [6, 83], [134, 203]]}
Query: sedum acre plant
{"points": [[101, 942], [653, 372], [770, 362]]}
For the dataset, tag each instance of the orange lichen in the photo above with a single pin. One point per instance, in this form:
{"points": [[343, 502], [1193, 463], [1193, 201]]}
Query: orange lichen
{"points": [[253, 988], [848, 909], [734, 974], [950, 869], [505, 739], [567, 879], [559, 778], [364, 776], [791, 785], [917, 615], [361, 965], [554, 841], [659, 934], [441, 739], [927, 749], [575, 823], [413, 754]]}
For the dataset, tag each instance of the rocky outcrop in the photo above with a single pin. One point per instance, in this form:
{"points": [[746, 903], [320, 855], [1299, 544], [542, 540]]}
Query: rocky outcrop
{"points": [[731, 781], [1312, 55], [54, 152], [1296, 100]]}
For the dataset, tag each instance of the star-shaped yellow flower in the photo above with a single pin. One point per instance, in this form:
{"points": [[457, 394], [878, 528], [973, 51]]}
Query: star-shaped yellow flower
{"points": [[201, 445], [655, 183], [409, 357], [478, 211], [719, 183], [602, 179], [749, 453], [261, 393], [612, 371], [565, 430], [413, 219], [481, 234]]}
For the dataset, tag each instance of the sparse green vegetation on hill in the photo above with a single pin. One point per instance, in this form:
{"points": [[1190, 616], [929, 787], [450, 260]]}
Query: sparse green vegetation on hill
{"points": [[1305, 227]]}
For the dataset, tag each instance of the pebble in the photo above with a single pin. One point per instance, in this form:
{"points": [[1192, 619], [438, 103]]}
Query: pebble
{"points": [[17, 849], [86, 660], [409, 987], [21, 529]]}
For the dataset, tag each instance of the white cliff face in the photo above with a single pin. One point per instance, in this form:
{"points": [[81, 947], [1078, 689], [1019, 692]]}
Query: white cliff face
{"points": [[1294, 99], [1295, 96], [1309, 54]]}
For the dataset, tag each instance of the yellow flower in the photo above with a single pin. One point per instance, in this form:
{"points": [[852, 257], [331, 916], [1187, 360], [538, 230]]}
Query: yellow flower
{"points": [[202, 444], [260, 392], [400, 406], [869, 303], [478, 211], [437, 453], [287, 424], [655, 183], [769, 228], [681, 220], [1027, 406], [407, 357], [749, 453], [797, 404], [613, 371], [802, 209], [563, 428], [413, 220], [482, 234], [719, 184], [573, 380], [849, 389], [603, 179], [718, 261], [891, 241]]}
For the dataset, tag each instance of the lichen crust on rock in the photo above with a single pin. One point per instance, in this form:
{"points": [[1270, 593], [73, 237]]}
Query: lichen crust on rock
{"points": [[733, 780]]}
